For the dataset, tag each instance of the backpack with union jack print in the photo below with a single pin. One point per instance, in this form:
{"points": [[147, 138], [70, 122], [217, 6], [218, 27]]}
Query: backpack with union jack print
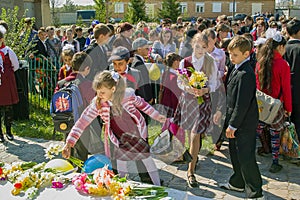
{"points": [[66, 105]]}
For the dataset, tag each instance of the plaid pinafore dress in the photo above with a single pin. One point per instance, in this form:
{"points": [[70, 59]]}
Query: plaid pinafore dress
{"points": [[189, 115]]}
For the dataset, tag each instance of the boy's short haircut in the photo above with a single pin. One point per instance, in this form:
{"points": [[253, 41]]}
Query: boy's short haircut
{"points": [[234, 23], [50, 28], [240, 42], [249, 36], [201, 27], [223, 28], [78, 29], [69, 30], [41, 30], [101, 29], [293, 27], [80, 61], [210, 32]]}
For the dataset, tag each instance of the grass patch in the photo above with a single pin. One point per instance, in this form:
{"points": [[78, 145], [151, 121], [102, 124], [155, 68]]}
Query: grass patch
{"points": [[40, 124]]}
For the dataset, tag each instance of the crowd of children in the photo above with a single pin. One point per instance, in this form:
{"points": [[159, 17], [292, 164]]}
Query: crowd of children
{"points": [[116, 88]]}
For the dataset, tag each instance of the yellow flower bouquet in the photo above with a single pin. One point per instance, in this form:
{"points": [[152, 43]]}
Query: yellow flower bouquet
{"points": [[196, 80]]}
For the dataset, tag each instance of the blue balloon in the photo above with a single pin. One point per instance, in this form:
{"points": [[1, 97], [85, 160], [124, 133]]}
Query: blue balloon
{"points": [[95, 162]]}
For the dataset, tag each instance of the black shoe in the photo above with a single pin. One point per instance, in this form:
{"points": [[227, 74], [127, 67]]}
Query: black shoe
{"points": [[228, 186], [275, 168], [9, 136], [192, 181], [1, 138]]}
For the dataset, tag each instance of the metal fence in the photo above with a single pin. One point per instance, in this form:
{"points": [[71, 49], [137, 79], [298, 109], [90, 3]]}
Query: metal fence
{"points": [[42, 79]]}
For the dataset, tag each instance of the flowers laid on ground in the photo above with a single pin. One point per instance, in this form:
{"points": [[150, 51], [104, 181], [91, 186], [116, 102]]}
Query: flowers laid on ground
{"points": [[55, 149], [29, 177], [102, 182], [197, 80]]}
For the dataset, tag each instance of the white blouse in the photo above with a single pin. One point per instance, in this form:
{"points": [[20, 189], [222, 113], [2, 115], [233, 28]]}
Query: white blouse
{"points": [[213, 81]]}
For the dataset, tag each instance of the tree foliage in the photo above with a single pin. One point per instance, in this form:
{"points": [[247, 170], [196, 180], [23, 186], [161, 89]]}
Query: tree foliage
{"points": [[103, 9], [170, 9], [100, 7], [136, 11], [17, 35], [69, 6]]}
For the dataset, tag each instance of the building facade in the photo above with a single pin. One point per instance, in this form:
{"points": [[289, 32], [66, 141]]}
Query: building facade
{"points": [[206, 9], [40, 9]]}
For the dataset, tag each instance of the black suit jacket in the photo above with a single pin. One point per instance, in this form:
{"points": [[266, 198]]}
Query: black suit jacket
{"points": [[144, 87], [39, 48], [241, 109], [292, 56], [100, 60]]}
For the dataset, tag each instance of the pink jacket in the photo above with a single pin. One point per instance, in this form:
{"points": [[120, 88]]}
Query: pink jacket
{"points": [[131, 103]]}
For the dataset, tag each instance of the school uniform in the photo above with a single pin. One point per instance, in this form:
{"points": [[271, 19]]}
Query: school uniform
{"points": [[189, 114], [242, 115], [100, 60], [145, 89], [122, 131], [170, 92], [64, 72], [293, 58], [8, 88]]}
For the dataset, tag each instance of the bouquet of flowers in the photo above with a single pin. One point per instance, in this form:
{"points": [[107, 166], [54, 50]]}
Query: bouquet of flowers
{"points": [[55, 149], [102, 182], [29, 177], [197, 80]]}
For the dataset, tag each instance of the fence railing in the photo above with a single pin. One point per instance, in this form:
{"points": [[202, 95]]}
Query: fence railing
{"points": [[42, 79]]}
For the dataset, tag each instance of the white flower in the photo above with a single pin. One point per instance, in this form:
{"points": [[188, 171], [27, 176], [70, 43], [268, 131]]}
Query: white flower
{"points": [[31, 193], [53, 149]]}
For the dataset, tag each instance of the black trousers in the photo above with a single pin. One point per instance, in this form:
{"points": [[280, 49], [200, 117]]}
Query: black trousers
{"points": [[246, 172], [295, 117]]}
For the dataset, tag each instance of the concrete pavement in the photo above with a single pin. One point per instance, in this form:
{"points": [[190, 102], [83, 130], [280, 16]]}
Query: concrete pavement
{"points": [[211, 169]]}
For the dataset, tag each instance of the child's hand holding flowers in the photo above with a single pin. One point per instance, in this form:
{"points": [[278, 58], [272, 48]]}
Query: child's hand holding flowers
{"points": [[195, 83]]}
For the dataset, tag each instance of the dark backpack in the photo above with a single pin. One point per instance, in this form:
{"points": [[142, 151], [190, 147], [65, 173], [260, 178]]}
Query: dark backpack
{"points": [[66, 105]]}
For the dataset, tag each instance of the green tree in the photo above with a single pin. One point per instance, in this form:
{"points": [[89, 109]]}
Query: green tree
{"points": [[136, 11], [17, 34], [170, 9], [100, 7], [69, 6]]}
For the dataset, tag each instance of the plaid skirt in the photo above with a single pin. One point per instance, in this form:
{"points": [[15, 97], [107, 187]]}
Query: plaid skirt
{"points": [[131, 147], [189, 115]]}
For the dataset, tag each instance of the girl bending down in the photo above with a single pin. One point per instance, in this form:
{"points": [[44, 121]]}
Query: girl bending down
{"points": [[124, 125]]}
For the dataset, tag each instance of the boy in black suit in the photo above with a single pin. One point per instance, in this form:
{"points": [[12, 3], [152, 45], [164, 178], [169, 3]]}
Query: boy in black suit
{"points": [[241, 121], [292, 56]]}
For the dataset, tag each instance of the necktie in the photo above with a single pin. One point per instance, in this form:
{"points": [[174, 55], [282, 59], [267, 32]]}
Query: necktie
{"points": [[130, 78]]}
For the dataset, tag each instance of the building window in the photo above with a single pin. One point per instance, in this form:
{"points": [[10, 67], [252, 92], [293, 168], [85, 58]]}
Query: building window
{"points": [[216, 7], [199, 7], [150, 10], [183, 7], [119, 7], [231, 7]]}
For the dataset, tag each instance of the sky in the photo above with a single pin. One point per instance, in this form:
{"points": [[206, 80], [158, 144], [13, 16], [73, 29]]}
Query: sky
{"points": [[83, 2], [79, 2]]}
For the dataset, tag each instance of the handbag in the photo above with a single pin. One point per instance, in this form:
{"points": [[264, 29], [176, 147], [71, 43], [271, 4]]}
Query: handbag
{"points": [[166, 147], [289, 143], [268, 107]]}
